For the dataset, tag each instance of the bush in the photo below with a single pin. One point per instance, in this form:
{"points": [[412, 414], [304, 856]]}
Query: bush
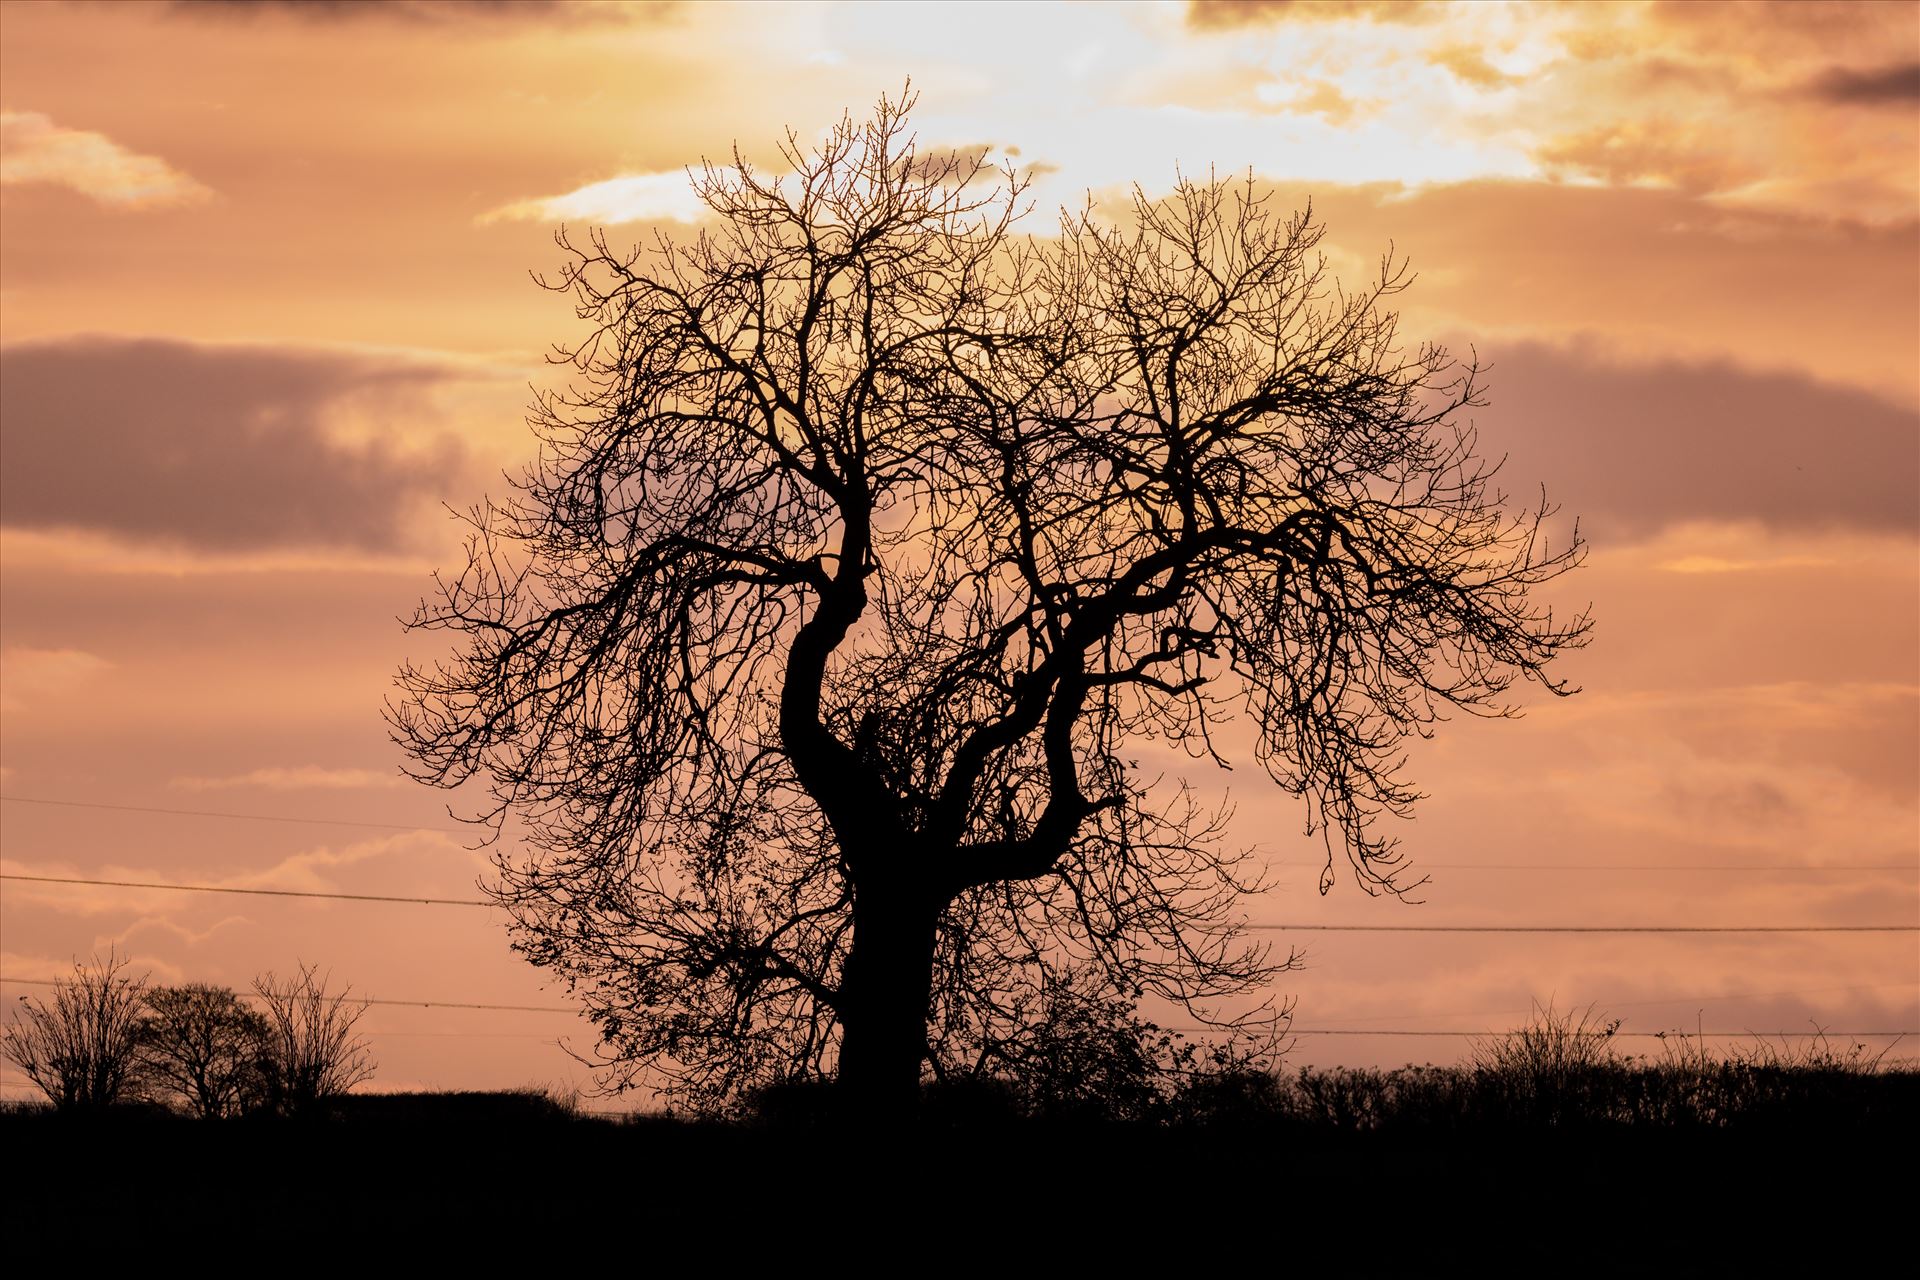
{"points": [[1557, 1068], [313, 1054], [82, 1048]]}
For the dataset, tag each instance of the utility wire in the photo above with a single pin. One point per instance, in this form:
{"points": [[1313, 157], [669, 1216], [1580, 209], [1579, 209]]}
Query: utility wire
{"points": [[1910, 867], [455, 1035], [351, 999], [1722, 997], [1400, 1033], [1616, 1035], [1309, 928], [1591, 928], [219, 813], [1840, 869], [274, 893], [1297, 1031]]}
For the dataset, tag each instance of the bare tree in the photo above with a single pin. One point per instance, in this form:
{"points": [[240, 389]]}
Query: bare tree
{"points": [[81, 1048], [874, 546], [204, 1045], [313, 1052]]}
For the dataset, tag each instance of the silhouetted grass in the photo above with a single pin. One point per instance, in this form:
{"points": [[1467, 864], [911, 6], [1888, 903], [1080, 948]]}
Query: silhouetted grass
{"points": [[1421, 1165]]}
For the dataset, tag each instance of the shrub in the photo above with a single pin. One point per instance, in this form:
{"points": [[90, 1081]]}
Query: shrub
{"points": [[313, 1052], [1557, 1068], [82, 1047]]}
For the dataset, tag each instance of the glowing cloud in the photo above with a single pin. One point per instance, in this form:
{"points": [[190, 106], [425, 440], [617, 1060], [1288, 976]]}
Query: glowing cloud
{"points": [[1721, 564], [639, 197], [35, 150]]}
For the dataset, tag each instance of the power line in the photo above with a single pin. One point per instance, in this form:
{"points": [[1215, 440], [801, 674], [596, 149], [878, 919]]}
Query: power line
{"points": [[1297, 1031], [351, 999], [455, 1035], [274, 893], [1591, 928], [1616, 1035], [219, 813], [1310, 928], [1609, 1005], [1791, 867], [1396, 1032], [1795, 867]]}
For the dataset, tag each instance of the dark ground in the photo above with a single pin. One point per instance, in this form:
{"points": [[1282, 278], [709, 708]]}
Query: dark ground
{"points": [[474, 1180]]}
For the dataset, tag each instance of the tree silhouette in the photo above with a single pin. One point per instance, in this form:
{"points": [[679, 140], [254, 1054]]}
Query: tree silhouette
{"points": [[81, 1048], [875, 544], [314, 1053], [201, 1043]]}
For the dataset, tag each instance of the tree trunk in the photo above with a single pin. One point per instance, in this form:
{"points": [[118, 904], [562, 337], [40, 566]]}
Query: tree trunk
{"points": [[883, 1018]]}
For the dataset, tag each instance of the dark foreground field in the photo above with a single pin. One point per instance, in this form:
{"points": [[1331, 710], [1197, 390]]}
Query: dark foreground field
{"points": [[1369, 1184]]}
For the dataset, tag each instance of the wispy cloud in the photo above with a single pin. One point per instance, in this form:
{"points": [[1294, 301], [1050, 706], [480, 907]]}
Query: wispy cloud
{"points": [[440, 15], [27, 674], [639, 197], [1207, 15], [416, 864], [35, 150], [1723, 564], [306, 777]]}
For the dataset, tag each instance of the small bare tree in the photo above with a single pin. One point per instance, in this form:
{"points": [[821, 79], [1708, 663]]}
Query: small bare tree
{"points": [[314, 1054], [202, 1044], [82, 1047]]}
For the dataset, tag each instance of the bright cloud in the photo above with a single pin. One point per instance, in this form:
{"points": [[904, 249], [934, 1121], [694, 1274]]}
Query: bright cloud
{"points": [[35, 150], [1806, 112], [639, 197]]}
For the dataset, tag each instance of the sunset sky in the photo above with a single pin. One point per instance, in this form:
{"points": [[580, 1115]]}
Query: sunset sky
{"points": [[265, 306]]}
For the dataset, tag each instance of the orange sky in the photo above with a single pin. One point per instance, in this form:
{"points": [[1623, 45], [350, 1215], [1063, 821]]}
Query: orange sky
{"points": [[264, 305]]}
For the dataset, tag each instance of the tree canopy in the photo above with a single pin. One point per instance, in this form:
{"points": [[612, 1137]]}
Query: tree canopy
{"points": [[200, 1043], [872, 545]]}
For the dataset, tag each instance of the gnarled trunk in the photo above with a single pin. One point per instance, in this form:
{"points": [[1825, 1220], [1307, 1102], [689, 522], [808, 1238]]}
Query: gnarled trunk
{"points": [[883, 1015]]}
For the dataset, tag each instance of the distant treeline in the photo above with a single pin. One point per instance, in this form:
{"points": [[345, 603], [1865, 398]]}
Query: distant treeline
{"points": [[1559, 1073], [108, 1039]]}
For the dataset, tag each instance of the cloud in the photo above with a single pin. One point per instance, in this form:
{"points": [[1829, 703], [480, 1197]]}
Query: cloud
{"points": [[639, 197], [1655, 272], [216, 447], [414, 864], [1597, 94], [27, 675], [1792, 773], [306, 777], [36, 151], [1215, 15], [1726, 564], [1633, 447], [1897, 85], [1657, 153], [1771, 31], [1313, 98], [440, 14], [1471, 66]]}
